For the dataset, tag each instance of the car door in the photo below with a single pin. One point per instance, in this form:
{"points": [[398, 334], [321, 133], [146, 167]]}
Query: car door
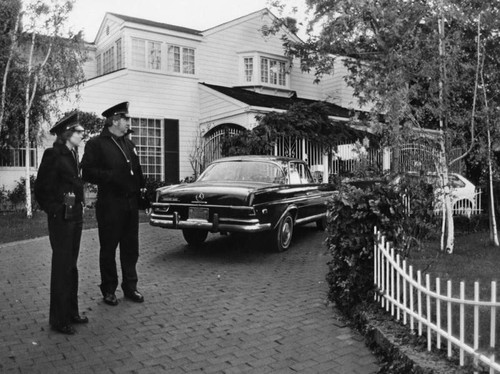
{"points": [[309, 199]]}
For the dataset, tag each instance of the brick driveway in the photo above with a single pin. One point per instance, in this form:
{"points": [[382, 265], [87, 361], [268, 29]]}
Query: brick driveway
{"points": [[231, 307]]}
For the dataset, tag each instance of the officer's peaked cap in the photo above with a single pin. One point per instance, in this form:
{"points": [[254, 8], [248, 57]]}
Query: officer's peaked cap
{"points": [[117, 109], [65, 123]]}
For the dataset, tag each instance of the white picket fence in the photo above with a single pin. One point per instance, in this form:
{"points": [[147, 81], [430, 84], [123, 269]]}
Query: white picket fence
{"points": [[425, 306]]}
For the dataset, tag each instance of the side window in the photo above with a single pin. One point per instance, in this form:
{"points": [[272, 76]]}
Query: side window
{"points": [[299, 174], [305, 174]]}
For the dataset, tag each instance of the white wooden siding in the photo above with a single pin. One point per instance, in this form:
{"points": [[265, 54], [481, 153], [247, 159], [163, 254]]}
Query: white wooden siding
{"points": [[219, 62], [151, 96]]}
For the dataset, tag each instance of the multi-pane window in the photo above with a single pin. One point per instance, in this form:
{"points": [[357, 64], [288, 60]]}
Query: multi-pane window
{"points": [[174, 59], [272, 71], [154, 55], [248, 62], [147, 137], [118, 44], [138, 53], [264, 70], [188, 60], [180, 56], [99, 66], [108, 60]]}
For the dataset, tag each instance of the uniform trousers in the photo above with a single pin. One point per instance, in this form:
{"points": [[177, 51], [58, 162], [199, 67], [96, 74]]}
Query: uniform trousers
{"points": [[65, 242], [118, 224]]}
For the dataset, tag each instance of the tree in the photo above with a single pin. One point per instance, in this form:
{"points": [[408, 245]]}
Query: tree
{"points": [[302, 121], [10, 13], [46, 63], [413, 60]]}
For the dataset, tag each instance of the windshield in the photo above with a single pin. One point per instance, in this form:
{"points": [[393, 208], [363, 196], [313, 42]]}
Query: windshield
{"points": [[254, 171]]}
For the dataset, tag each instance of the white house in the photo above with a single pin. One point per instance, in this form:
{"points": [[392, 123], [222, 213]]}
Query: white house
{"points": [[184, 85]]}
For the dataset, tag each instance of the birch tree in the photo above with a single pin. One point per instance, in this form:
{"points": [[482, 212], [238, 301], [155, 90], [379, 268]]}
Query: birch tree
{"points": [[414, 62], [49, 65]]}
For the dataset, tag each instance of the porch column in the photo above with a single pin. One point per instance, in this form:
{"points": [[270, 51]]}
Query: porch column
{"points": [[325, 167], [386, 159]]}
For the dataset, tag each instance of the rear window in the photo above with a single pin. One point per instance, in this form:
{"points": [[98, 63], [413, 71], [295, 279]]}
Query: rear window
{"points": [[255, 171]]}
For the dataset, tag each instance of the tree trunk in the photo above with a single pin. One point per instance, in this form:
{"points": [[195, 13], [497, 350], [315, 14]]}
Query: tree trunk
{"points": [[13, 43]]}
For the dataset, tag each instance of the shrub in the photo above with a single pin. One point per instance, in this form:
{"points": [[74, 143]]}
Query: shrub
{"points": [[151, 186], [18, 195], [352, 215]]}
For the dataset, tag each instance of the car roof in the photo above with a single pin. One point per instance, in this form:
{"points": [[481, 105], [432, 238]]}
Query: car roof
{"points": [[258, 158]]}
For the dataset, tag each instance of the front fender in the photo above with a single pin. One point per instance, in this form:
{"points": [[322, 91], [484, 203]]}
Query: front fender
{"points": [[292, 209]]}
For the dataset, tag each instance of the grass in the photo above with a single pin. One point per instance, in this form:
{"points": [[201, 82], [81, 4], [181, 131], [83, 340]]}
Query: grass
{"points": [[15, 226], [474, 259]]}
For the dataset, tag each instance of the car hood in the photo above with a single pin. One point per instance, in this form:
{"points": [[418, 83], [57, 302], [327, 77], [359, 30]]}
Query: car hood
{"points": [[212, 193]]}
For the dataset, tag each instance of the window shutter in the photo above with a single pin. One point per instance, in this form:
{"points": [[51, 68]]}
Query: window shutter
{"points": [[171, 151]]}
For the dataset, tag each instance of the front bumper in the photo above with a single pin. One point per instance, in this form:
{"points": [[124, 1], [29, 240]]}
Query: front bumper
{"points": [[173, 221]]}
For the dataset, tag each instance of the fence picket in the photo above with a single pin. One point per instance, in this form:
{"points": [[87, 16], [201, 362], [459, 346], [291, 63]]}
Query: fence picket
{"points": [[382, 271], [394, 274], [449, 320], [398, 291], [476, 321], [493, 323], [386, 288], [429, 312], [438, 314], [404, 295], [392, 280], [462, 322], [419, 302], [412, 321]]}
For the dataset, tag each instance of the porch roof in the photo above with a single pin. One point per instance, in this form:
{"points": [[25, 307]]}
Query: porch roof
{"points": [[275, 102]]}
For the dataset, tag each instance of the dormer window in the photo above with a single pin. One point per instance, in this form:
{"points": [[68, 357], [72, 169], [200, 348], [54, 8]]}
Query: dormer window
{"points": [[260, 69], [248, 61], [181, 60], [111, 59], [146, 54]]}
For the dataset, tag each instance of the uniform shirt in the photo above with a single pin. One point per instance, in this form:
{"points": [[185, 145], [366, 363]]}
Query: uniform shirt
{"points": [[113, 164], [58, 174]]}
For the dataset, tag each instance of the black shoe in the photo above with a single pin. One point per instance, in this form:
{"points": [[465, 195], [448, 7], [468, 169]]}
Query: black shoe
{"points": [[79, 319], [134, 296], [110, 299], [64, 329]]}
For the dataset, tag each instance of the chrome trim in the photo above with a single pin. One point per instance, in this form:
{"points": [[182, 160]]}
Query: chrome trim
{"points": [[209, 226], [310, 219], [170, 217], [172, 204]]}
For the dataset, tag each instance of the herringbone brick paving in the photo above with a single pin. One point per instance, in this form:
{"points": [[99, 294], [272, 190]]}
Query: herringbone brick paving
{"points": [[230, 307]]}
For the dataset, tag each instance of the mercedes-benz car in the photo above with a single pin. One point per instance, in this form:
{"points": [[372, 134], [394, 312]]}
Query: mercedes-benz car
{"points": [[244, 194]]}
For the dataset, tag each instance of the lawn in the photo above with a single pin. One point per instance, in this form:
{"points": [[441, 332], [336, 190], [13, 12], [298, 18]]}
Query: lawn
{"points": [[474, 259], [15, 226]]}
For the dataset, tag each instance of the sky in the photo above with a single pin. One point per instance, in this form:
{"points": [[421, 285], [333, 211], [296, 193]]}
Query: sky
{"points": [[87, 15]]}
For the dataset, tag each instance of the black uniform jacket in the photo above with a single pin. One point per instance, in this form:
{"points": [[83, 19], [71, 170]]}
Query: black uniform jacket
{"points": [[113, 164], [58, 174]]}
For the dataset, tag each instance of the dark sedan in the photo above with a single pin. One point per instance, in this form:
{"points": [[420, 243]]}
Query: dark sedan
{"points": [[246, 194]]}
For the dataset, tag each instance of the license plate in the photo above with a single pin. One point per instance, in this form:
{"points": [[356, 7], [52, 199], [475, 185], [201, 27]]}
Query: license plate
{"points": [[200, 214]]}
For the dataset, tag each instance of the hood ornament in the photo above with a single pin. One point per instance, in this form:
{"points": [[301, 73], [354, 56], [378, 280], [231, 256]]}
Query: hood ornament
{"points": [[200, 196]]}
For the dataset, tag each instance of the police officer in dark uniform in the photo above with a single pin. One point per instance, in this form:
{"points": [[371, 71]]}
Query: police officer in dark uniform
{"points": [[111, 161], [59, 191]]}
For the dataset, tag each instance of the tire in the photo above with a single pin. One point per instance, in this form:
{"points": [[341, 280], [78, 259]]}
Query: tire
{"points": [[194, 237], [322, 224], [282, 235]]}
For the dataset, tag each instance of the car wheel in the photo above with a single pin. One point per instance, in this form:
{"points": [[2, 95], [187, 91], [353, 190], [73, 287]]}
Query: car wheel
{"points": [[194, 237], [322, 224], [283, 234], [463, 208]]}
